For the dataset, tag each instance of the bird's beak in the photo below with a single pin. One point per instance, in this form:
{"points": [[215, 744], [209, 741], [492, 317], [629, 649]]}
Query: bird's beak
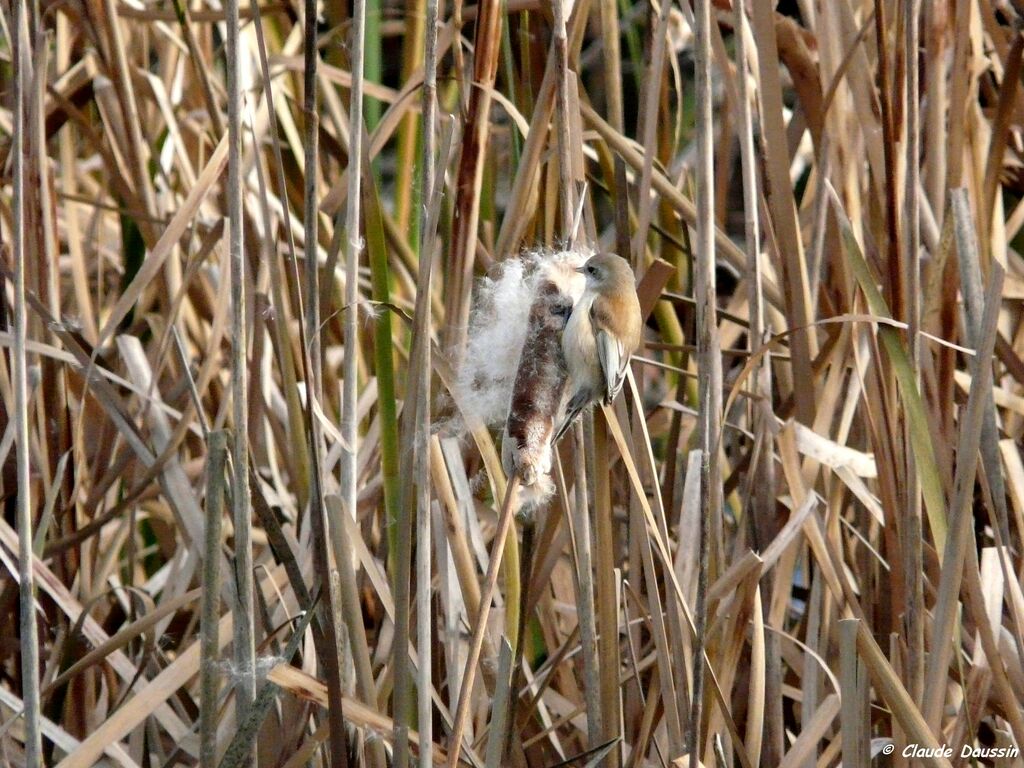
{"points": [[579, 269]]}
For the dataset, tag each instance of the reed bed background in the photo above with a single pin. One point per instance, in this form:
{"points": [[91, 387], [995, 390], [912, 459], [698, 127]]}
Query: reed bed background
{"points": [[246, 518]]}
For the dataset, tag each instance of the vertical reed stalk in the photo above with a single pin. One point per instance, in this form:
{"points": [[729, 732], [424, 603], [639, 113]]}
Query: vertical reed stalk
{"points": [[912, 527], [585, 585], [528, 525], [937, 18], [244, 624], [789, 245], [353, 245], [610, 40], [425, 621], [373, 226], [607, 604], [709, 357], [311, 58], [895, 272], [852, 723], [427, 224], [22, 57], [308, 465], [416, 424], [416, 486], [566, 187], [210, 622], [503, 710], [428, 211]]}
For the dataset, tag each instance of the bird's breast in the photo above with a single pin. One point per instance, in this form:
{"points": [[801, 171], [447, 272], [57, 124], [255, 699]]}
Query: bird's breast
{"points": [[580, 347]]}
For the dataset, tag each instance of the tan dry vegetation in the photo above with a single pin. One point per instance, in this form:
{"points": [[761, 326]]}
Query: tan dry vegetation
{"points": [[223, 401]]}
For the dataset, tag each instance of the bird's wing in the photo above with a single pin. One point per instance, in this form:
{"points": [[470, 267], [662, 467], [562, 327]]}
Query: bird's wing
{"points": [[611, 354], [613, 359]]}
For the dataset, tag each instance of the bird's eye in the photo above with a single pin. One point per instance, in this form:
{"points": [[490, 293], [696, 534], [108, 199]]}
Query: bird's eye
{"points": [[591, 270]]}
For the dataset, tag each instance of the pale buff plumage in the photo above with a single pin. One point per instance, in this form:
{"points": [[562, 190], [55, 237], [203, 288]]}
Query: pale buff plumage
{"points": [[602, 332]]}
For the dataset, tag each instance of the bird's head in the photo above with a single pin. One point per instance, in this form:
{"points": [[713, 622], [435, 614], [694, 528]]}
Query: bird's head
{"points": [[607, 272]]}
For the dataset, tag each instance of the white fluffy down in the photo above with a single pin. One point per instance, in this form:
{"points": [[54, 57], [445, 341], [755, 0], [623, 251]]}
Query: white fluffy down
{"points": [[497, 329]]}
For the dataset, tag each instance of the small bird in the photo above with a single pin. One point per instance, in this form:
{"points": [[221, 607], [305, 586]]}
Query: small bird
{"points": [[602, 332]]}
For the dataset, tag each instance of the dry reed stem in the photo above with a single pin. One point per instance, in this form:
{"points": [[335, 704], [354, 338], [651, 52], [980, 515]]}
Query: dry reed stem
{"points": [[245, 635], [911, 552], [209, 650], [567, 184], [311, 142], [29, 646], [709, 361], [427, 225]]}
